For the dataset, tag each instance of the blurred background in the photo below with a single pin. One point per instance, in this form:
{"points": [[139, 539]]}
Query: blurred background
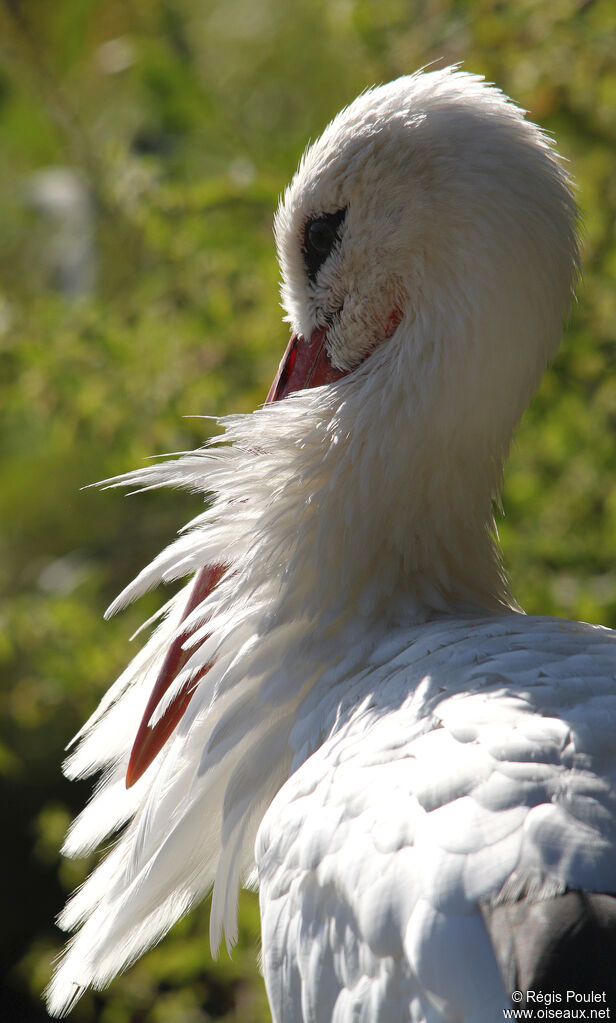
{"points": [[144, 147]]}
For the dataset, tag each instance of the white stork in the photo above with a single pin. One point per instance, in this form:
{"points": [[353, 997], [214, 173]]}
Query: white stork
{"points": [[346, 706]]}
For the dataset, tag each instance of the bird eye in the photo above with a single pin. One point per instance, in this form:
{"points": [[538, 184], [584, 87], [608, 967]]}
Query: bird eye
{"points": [[320, 236]]}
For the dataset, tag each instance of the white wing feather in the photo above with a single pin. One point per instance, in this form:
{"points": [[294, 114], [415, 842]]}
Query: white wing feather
{"points": [[475, 761]]}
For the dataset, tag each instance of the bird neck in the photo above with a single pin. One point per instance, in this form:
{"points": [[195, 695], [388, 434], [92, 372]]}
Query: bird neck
{"points": [[360, 525]]}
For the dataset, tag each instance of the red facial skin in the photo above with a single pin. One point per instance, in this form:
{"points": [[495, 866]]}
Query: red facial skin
{"points": [[304, 364]]}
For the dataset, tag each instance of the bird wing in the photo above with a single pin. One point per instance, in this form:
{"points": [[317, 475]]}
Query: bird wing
{"points": [[470, 768]]}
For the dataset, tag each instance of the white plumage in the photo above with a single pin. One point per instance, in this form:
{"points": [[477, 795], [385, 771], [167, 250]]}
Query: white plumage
{"points": [[405, 747]]}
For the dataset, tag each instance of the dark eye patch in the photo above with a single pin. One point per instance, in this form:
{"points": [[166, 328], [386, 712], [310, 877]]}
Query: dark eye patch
{"points": [[320, 236]]}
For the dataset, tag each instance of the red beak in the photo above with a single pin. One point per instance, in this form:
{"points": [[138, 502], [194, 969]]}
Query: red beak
{"points": [[304, 364]]}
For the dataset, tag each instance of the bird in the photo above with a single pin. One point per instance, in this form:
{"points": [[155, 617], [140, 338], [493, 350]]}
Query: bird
{"points": [[344, 705]]}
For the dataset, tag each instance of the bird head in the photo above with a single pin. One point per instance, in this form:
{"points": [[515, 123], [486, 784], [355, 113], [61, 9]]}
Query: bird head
{"points": [[431, 226]]}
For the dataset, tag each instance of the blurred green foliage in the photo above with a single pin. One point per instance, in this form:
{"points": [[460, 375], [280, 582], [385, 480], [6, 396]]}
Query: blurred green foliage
{"points": [[183, 120]]}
